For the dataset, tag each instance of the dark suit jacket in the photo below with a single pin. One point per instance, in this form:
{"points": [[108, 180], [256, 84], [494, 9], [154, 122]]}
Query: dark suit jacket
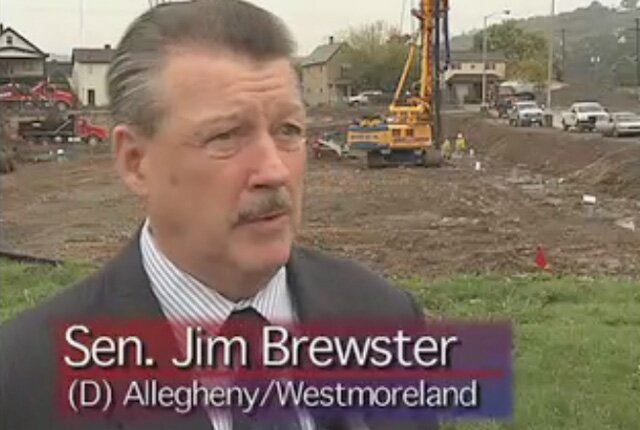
{"points": [[322, 287]]}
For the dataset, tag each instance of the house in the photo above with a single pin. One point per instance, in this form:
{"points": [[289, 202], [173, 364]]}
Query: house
{"points": [[463, 79], [20, 60], [325, 75], [89, 74]]}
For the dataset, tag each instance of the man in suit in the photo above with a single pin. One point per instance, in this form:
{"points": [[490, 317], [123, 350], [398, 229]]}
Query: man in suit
{"points": [[209, 130]]}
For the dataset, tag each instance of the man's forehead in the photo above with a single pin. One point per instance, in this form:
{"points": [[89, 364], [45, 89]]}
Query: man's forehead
{"points": [[208, 77], [197, 67]]}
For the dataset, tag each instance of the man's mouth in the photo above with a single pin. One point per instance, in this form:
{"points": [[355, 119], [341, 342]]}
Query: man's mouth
{"points": [[272, 216]]}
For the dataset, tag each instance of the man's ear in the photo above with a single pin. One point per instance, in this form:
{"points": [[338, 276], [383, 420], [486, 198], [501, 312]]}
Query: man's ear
{"points": [[130, 150]]}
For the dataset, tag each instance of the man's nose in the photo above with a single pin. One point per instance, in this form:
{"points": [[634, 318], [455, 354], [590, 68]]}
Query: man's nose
{"points": [[270, 170]]}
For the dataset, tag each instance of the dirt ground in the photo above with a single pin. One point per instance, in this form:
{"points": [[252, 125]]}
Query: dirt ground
{"points": [[403, 222]]}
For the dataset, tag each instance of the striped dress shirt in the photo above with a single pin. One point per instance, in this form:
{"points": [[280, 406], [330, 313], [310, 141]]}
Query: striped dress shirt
{"points": [[183, 298]]}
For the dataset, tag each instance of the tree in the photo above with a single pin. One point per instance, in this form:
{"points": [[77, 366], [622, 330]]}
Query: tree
{"points": [[525, 52], [376, 53], [629, 4]]}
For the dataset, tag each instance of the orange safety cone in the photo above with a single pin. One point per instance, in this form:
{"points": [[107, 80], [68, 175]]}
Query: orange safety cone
{"points": [[541, 259]]}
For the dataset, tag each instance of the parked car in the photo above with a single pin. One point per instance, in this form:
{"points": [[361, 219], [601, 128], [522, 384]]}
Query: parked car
{"points": [[365, 97], [620, 124], [505, 102], [526, 114], [584, 116]]}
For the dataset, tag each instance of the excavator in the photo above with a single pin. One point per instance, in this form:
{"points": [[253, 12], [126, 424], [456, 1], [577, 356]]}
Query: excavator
{"points": [[410, 135]]}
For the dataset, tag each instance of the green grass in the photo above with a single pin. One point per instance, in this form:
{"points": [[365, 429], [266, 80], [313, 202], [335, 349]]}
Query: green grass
{"points": [[25, 285], [577, 339], [577, 346]]}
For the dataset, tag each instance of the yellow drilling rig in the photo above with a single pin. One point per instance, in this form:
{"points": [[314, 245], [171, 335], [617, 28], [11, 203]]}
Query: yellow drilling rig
{"points": [[411, 135]]}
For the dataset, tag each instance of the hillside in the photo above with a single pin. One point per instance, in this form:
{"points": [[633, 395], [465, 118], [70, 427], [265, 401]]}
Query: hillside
{"points": [[590, 32]]}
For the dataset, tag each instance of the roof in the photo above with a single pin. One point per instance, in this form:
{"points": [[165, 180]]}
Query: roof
{"points": [[36, 50], [472, 77], [63, 68], [322, 54], [473, 56], [92, 55]]}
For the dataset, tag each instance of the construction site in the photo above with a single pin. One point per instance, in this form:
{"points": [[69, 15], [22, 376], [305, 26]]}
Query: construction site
{"points": [[384, 190], [528, 192], [488, 199]]}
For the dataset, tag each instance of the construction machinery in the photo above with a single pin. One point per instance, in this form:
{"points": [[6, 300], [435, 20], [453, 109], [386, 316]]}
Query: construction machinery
{"points": [[410, 136]]}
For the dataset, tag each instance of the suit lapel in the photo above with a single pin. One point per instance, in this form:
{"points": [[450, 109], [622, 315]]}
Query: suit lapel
{"points": [[310, 298], [129, 293], [129, 296], [315, 302]]}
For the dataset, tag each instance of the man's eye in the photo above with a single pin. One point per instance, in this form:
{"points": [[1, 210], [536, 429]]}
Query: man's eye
{"points": [[291, 130], [223, 145], [221, 137]]}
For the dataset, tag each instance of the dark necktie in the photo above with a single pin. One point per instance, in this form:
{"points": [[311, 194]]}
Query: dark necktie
{"points": [[248, 323]]}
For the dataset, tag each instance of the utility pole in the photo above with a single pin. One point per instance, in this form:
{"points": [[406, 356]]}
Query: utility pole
{"points": [[564, 54], [636, 29], [550, 65], [81, 15], [485, 43], [436, 74], [638, 55]]}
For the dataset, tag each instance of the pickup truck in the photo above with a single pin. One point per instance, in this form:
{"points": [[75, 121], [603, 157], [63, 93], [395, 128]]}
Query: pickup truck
{"points": [[526, 114], [584, 116], [363, 98]]}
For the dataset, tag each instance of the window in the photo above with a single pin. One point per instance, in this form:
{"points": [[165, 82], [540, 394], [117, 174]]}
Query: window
{"points": [[472, 66], [9, 39], [91, 97], [491, 66]]}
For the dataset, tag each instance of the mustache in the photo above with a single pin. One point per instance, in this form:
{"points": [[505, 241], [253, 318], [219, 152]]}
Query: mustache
{"points": [[267, 202]]}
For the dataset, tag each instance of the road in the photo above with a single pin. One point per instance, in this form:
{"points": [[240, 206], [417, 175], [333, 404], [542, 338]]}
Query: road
{"points": [[557, 128]]}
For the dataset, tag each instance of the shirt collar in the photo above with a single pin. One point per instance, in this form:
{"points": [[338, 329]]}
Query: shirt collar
{"points": [[182, 297]]}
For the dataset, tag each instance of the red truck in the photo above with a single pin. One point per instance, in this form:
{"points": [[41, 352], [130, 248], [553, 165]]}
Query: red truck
{"points": [[49, 95], [61, 128], [18, 96]]}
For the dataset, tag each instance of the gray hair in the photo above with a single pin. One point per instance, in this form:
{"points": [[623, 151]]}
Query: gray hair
{"points": [[216, 24]]}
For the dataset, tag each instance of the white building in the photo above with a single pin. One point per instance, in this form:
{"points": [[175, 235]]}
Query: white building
{"points": [[463, 80], [20, 60], [89, 75]]}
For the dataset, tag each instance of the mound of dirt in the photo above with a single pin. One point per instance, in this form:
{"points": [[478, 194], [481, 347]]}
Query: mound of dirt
{"points": [[617, 173], [607, 165]]}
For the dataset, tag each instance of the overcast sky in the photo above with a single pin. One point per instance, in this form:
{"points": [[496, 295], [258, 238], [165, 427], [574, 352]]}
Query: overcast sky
{"points": [[56, 26]]}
